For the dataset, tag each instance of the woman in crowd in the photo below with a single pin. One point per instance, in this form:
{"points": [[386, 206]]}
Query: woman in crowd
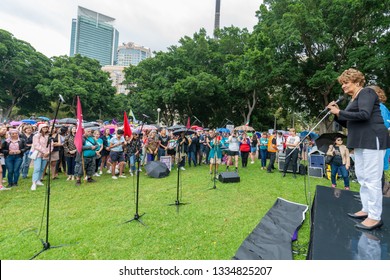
{"points": [[61, 163], [40, 140], [70, 153], [340, 162], [263, 149], [27, 135], [132, 150], [3, 136], [182, 147], [98, 159], [192, 149], [105, 153], [254, 146], [369, 138], [215, 156], [13, 150], [386, 119], [163, 140], [2, 188], [152, 145], [172, 143], [245, 148], [55, 155], [117, 155], [233, 151]]}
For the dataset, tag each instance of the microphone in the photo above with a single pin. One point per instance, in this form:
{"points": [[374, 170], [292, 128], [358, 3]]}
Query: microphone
{"points": [[145, 116], [197, 119], [61, 98], [229, 120], [341, 98]]}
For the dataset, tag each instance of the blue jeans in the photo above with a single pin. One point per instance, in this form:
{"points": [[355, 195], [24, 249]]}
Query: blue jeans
{"points": [[70, 165], [39, 166], [132, 162], [161, 152], [263, 153], [13, 163], [343, 171], [25, 165], [192, 158]]}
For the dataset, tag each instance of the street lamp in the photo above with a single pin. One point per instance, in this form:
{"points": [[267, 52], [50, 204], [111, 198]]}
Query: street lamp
{"points": [[158, 116]]}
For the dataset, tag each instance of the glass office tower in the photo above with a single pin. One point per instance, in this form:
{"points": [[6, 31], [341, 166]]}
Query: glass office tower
{"points": [[132, 54], [93, 35]]}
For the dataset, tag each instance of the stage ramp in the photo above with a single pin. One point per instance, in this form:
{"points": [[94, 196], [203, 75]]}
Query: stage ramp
{"points": [[272, 237]]}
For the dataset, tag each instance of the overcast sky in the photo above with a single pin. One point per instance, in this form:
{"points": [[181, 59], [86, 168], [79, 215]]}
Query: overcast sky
{"points": [[157, 24]]}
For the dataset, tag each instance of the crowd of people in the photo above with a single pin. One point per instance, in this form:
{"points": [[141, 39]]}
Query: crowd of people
{"points": [[27, 148]]}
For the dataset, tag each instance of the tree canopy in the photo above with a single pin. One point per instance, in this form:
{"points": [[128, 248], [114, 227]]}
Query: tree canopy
{"points": [[284, 70]]}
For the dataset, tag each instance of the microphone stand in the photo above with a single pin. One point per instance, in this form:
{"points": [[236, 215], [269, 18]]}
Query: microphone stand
{"points": [[136, 215], [177, 201], [320, 121], [46, 244]]}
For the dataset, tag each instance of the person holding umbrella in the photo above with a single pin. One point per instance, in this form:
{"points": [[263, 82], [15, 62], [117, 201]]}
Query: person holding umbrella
{"points": [[369, 138], [182, 145]]}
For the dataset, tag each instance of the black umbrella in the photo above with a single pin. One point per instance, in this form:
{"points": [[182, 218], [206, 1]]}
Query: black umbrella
{"points": [[185, 130], [157, 169], [176, 126], [67, 121], [327, 139], [90, 124]]}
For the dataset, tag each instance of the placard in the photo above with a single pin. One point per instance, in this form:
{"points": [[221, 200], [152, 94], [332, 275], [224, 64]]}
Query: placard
{"points": [[167, 160]]}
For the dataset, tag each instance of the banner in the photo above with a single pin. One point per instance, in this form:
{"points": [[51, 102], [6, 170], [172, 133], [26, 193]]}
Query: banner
{"points": [[78, 140], [126, 126]]}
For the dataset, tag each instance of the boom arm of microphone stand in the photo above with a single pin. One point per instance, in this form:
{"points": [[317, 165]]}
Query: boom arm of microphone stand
{"points": [[323, 118]]}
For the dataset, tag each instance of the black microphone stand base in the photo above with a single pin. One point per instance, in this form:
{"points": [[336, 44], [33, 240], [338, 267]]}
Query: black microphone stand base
{"points": [[214, 187], [178, 203], [47, 246], [136, 218]]}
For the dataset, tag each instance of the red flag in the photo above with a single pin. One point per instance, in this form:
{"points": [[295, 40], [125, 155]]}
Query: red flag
{"points": [[78, 140], [188, 123], [126, 126]]}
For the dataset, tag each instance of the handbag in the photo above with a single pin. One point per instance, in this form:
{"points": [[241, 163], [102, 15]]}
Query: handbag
{"points": [[328, 159], [33, 154]]}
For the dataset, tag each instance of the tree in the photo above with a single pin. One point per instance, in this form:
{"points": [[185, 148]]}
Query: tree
{"points": [[80, 76], [314, 41], [22, 68]]}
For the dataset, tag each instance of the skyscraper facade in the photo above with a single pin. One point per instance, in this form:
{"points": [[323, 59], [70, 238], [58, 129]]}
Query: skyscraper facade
{"points": [[132, 54], [93, 35]]}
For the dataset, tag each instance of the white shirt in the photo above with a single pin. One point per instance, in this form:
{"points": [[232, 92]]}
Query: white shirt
{"points": [[292, 140]]}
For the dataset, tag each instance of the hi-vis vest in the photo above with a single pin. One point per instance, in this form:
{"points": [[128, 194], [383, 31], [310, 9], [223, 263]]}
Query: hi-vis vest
{"points": [[272, 148]]}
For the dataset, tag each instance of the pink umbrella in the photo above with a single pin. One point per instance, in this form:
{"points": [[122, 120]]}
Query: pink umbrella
{"points": [[112, 128], [15, 123], [149, 127]]}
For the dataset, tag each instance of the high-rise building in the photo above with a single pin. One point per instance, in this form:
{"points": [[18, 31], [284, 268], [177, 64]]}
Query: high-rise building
{"points": [[117, 77], [217, 15], [93, 35], [132, 54]]}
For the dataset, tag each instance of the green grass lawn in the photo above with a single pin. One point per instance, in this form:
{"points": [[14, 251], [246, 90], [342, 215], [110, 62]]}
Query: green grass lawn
{"points": [[91, 218]]}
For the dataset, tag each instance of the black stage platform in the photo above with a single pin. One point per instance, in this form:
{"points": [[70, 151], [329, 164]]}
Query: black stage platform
{"points": [[333, 234]]}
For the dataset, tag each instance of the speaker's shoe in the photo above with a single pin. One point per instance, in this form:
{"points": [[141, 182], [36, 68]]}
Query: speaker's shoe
{"points": [[377, 225]]}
